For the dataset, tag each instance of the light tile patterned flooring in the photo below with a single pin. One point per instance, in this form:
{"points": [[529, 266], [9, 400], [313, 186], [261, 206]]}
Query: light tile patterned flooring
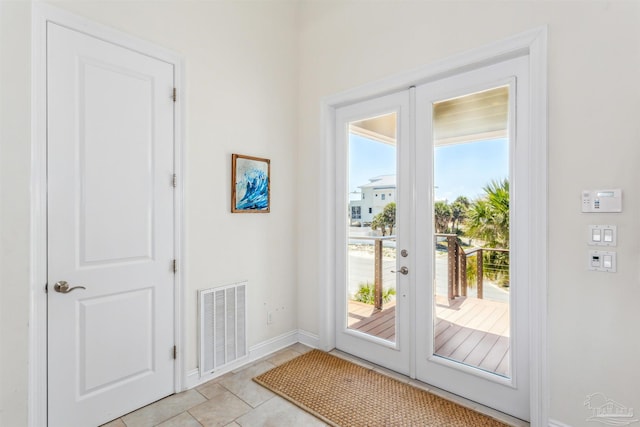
{"points": [[234, 400]]}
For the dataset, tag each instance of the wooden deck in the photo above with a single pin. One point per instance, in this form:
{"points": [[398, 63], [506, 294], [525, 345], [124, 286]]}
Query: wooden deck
{"points": [[470, 330], [380, 323]]}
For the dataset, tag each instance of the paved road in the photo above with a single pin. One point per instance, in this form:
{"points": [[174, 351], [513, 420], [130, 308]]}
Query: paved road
{"points": [[361, 270]]}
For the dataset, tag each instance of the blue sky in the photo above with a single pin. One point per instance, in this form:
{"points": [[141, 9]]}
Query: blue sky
{"points": [[460, 169]]}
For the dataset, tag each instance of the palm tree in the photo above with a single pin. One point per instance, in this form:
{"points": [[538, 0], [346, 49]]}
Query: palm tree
{"points": [[488, 220], [386, 218], [442, 216], [488, 217], [389, 216], [377, 224], [459, 209]]}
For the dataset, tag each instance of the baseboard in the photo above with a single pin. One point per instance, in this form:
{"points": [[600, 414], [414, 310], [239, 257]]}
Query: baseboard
{"points": [[256, 352], [272, 345], [308, 339], [554, 423]]}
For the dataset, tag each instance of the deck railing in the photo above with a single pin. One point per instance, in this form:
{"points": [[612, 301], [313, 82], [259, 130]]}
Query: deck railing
{"points": [[377, 265], [457, 266], [457, 259]]}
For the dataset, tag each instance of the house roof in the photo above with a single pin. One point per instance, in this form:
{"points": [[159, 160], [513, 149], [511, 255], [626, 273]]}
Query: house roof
{"points": [[382, 181]]}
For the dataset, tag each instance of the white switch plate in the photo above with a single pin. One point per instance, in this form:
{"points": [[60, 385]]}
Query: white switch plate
{"points": [[602, 261], [607, 235]]}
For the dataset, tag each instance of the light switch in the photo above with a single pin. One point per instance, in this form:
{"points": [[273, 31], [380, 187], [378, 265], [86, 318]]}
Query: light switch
{"points": [[602, 261], [602, 235], [608, 235]]}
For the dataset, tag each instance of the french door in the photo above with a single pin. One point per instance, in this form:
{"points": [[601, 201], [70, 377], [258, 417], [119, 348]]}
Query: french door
{"points": [[458, 253], [374, 209], [475, 341]]}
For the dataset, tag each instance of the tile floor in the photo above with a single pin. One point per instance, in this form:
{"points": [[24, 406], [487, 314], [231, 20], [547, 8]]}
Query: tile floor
{"points": [[234, 400]]}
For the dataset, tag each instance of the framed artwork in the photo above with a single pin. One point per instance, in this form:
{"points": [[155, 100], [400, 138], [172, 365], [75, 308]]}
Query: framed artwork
{"points": [[250, 184]]}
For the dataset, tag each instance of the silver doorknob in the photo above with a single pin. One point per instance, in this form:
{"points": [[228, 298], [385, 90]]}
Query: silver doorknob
{"points": [[63, 287], [403, 270]]}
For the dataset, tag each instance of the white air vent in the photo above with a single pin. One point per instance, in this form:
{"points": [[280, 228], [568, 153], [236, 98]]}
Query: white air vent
{"points": [[223, 326]]}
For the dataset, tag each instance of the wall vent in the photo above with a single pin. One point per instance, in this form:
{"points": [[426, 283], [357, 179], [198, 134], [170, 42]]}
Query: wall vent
{"points": [[223, 326]]}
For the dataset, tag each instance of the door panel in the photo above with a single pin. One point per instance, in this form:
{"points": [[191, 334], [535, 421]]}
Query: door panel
{"points": [[471, 221], [110, 229], [474, 281], [373, 312], [109, 358], [128, 231]]}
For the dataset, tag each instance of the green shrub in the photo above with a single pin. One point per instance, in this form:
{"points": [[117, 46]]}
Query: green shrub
{"points": [[366, 293], [495, 268]]}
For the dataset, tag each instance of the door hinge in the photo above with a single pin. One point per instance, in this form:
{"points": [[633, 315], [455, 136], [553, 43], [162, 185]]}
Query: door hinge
{"points": [[175, 180], [46, 288], [175, 352], [175, 94], [175, 266]]}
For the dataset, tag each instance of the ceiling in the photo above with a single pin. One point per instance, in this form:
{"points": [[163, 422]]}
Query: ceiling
{"points": [[477, 116]]}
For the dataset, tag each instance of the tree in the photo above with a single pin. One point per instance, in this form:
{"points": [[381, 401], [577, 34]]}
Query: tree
{"points": [[376, 224], [488, 217], [488, 220], [389, 216], [459, 209], [442, 216], [386, 218]]}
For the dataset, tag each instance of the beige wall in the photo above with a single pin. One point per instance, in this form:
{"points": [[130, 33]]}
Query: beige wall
{"points": [[594, 105], [240, 73], [15, 136], [240, 95], [256, 73]]}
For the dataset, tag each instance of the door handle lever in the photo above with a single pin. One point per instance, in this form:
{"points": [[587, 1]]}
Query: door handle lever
{"points": [[403, 270], [63, 287]]}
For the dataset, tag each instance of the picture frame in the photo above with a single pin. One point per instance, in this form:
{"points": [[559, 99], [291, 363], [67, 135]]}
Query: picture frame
{"points": [[250, 184]]}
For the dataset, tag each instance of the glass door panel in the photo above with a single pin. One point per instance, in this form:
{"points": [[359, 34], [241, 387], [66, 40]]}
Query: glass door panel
{"points": [[371, 243], [471, 230]]}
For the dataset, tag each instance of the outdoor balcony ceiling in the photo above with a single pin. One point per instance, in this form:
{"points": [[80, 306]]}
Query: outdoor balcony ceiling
{"points": [[477, 116]]}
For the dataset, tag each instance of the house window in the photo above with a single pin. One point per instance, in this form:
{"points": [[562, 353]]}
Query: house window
{"points": [[383, 196], [355, 212], [370, 210], [376, 194]]}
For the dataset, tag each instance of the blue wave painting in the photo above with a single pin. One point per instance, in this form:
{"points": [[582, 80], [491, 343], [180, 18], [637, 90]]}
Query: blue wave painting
{"points": [[252, 185]]}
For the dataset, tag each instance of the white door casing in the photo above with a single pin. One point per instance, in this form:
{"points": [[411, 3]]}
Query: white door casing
{"points": [[110, 228]]}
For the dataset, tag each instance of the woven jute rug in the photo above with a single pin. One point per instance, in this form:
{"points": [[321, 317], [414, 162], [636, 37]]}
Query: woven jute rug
{"points": [[344, 394]]}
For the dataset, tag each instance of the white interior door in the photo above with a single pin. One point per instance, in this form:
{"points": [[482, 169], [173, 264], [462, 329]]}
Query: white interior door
{"points": [[372, 143], [474, 339], [110, 229]]}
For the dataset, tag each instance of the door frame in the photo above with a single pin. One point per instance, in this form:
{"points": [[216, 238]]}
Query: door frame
{"points": [[41, 15], [532, 44]]}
